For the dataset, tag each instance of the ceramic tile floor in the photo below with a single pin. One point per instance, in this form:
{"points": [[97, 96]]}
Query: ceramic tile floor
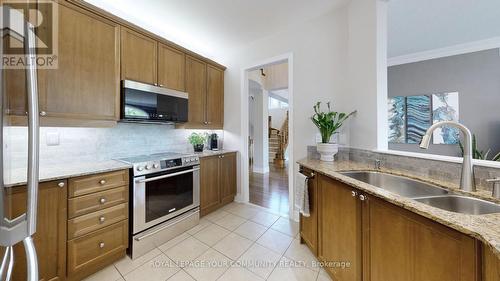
{"points": [[238, 242]]}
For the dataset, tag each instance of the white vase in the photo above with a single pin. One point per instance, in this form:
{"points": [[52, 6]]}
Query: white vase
{"points": [[327, 151]]}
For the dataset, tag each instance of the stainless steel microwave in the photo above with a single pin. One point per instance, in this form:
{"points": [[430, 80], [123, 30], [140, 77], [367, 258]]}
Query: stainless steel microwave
{"points": [[144, 103]]}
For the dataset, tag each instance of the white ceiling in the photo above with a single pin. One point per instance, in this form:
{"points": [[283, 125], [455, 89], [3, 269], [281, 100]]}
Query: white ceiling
{"points": [[421, 25], [215, 27]]}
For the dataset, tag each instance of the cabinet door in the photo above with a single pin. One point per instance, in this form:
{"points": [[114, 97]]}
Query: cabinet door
{"points": [[400, 245], [309, 225], [491, 265], [171, 68], [215, 97], [228, 177], [50, 236], [209, 184], [196, 86], [138, 57], [339, 230], [387, 241], [86, 83]]}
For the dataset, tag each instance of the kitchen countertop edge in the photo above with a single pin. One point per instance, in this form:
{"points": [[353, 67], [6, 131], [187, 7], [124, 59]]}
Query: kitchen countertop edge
{"points": [[65, 171], [486, 228]]}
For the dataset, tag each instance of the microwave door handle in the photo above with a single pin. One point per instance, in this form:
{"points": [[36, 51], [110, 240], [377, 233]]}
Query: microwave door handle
{"points": [[167, 176]]}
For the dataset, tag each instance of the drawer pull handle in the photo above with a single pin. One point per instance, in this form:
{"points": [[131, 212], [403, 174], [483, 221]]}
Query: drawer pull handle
{"points": [[61, 184], [354, 193], [102, 219], [101, 245], [362, 197], [102, 182], [102, 200]]}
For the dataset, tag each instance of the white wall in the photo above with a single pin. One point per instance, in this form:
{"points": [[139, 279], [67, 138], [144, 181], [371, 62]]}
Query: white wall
{"points": [[258, 127], [319, 61], [367, 68]]}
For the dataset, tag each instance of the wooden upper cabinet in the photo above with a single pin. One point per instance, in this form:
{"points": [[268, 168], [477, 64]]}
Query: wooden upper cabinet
{"points": [[228, 177], [196, 77], [309, 225], [171, 68], [400, 245], [50, 236], [86, 83], [215, 97], [138, 57], [209, 184], [339, 229]]}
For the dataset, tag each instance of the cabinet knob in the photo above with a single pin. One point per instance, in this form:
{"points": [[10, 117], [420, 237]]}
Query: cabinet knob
{"points": [[362, 197], [61, 184], [43, 113], [156, 84], [102, 182], [161, 85], [222, 156], [101, 245], [354, 193], [102, 200], [102, 219]]}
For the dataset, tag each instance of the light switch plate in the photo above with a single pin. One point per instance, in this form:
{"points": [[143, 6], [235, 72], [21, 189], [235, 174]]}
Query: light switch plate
{"points": [[52, 138]]}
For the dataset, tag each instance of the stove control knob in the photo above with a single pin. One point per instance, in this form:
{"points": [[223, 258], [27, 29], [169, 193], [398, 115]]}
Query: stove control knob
{"points": [[187, 160], [193, 159], [140, 168], [148, 167], [156, 166]]}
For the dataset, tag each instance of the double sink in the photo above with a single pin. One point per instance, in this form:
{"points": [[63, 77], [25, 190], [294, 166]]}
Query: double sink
{"points": [[426, 193]]}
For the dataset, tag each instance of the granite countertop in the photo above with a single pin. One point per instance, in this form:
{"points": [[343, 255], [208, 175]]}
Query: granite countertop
{"points": [[483, 227], [207, 153], [64, 171]]}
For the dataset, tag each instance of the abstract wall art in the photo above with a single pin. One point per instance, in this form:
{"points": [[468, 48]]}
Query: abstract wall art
{"points": [[419, 117], [397, 119], [445, 107]]}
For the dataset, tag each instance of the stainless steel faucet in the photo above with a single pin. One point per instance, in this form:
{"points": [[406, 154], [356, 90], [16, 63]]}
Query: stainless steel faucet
{"points": [[467, 179], [496, 187]]}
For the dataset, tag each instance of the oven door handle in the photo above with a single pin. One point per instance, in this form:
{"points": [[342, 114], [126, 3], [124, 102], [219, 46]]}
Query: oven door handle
{"points": [[167, 176]]}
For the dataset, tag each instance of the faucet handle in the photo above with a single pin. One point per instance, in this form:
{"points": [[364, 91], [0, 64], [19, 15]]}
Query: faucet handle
{"points": [[496, 187]]}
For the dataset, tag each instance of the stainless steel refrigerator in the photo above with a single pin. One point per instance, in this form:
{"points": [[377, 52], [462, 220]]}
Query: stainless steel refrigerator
{"points": [[22, 228]]}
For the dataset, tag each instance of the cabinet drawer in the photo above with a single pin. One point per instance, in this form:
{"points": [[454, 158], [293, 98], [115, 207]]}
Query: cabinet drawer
{"points": [[97, 201], [93, 251], [97, 220], [95, 183]]}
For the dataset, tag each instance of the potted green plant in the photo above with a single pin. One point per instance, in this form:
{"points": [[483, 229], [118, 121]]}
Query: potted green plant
{"points": [[198, 141], [328, 123]]}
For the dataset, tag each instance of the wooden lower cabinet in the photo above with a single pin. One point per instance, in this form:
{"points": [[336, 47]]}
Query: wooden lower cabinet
{"points": [[339, 230], [89, 253], [491, 265], [309, 225], [217, 181], [227, 172], [98, 222], [361, 237], [50, 236]]}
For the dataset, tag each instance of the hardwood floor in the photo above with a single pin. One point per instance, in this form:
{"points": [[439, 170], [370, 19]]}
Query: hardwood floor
{"points": [[270, 190]]}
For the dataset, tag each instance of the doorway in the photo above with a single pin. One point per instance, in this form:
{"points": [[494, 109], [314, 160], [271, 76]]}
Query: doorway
{"points": [[267, 180]]}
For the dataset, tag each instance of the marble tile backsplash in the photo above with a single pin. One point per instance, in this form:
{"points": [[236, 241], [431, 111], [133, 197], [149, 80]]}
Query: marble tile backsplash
{"points": [[96, 144], [433, 169]]}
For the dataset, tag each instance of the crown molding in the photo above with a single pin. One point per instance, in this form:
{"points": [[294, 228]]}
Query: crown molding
{"points": [[460, 49]]}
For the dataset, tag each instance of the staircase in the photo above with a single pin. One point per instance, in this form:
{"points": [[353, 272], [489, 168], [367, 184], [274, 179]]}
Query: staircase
{"points": [[278, 143]]}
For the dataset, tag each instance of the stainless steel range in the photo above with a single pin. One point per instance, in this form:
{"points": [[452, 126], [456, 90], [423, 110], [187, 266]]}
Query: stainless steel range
{"points": [[165, 198]]}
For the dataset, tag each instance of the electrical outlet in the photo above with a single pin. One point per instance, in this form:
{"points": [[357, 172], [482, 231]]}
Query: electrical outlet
{"points": [[52, 138]]}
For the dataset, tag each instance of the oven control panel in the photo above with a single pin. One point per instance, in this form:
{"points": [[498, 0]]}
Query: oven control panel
{"points": [[155, 166], [165, 164]]}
